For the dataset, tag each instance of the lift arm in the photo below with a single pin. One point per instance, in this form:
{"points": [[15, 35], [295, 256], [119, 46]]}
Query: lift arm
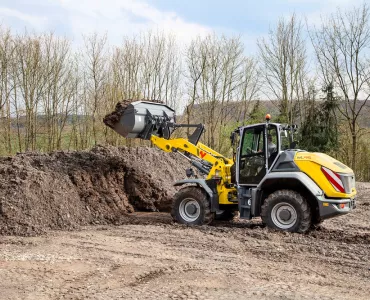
{"points": [[216, 160]]}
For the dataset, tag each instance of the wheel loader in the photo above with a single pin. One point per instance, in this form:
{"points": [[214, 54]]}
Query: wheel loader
{"points": [[290, 189]]}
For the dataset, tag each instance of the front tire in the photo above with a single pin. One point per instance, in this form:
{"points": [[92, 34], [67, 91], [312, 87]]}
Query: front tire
{"points": [[286, 210], [191, 207]]}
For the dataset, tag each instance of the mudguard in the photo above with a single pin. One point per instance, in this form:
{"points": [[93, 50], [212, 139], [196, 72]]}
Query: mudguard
{"points": [[300, 176]]}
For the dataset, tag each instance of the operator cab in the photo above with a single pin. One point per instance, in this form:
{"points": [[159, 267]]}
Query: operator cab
{"points": [[259, 147]]}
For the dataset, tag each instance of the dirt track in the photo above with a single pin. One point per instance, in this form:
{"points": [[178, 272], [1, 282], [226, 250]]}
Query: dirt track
{"points": [[147, 256], [152, 258]]}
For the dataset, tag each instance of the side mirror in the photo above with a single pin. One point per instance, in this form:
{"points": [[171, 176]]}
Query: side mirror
{"points": [[232, 138], [293, 145]]}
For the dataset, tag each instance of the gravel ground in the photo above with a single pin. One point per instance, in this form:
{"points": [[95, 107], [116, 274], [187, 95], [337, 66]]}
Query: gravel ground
{"points": [[152, 258]]}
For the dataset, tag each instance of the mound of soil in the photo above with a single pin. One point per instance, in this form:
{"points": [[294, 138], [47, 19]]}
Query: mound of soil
{"points": [[64, 190]]}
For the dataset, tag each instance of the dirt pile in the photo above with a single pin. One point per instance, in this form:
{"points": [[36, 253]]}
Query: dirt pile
{"points": [[64, 190]]}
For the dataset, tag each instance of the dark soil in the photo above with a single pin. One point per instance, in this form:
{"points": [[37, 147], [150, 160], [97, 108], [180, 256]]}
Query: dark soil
{"points": [[64, 190], [112, 118]]}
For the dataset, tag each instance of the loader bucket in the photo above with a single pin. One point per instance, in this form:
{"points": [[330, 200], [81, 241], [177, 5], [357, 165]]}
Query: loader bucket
{"points": [[140, 119]]}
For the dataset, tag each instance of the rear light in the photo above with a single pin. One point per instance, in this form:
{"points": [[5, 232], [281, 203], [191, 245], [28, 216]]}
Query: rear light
{"points": [[334, 179]]}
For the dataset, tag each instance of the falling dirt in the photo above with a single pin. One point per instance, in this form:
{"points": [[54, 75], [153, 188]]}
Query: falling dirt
{"points": [[147, 256], [64, 190]]}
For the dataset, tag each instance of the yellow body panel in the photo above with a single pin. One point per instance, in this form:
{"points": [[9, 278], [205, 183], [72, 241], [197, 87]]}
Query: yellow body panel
{"points": [[310, 163], [219, 162]]}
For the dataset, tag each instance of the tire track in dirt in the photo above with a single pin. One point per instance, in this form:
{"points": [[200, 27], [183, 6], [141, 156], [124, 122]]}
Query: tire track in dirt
{"points": [[175, 262]]}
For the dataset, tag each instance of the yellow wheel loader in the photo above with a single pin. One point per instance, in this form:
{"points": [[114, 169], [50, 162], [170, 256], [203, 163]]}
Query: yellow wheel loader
{"points": [[289, 189]]}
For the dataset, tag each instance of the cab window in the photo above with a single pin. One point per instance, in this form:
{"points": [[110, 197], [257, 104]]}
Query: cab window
{"points": [[252, 156], [252, 142]]}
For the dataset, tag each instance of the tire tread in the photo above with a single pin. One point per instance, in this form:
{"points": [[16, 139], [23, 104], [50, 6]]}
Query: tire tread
{"points": [[196, 193], [305, 222]]}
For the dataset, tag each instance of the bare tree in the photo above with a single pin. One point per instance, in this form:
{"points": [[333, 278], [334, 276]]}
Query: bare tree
{"points": [[96, 75], [283, 57], [249, 87], [7, 49], [220, 79], [31, 79], [56, 100], [196, 58], [232, 72], [342, 45]]}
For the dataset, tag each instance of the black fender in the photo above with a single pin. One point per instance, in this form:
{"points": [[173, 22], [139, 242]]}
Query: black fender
{"points": [[209, 186], [297, 181]]}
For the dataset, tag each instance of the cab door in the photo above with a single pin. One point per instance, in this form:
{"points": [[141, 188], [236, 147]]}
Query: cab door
{"points": [[252, 156]]}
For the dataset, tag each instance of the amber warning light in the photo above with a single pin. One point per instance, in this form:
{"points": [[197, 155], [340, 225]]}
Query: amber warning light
{"points": [[268, 117]]}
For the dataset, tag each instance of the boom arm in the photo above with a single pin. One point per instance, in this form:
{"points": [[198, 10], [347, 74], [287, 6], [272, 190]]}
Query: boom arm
{"points": [[201, 152]]}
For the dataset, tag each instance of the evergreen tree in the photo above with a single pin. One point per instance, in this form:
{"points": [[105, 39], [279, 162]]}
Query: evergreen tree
{"points": [[319, 130], [257, 113]]}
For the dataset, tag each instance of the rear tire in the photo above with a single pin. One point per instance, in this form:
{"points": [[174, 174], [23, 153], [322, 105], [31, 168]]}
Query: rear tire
{"points": [[286, 210], [191, 207]]}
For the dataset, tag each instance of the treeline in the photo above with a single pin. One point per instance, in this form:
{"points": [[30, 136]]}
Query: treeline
{"points": [[54, 96]]}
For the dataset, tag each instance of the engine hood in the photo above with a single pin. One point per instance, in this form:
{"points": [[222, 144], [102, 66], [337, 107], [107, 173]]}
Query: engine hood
{"points": [[311, 164], [323, 160]]}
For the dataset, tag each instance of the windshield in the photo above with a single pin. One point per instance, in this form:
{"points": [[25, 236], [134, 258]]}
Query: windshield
{"points": [[287, 139]]}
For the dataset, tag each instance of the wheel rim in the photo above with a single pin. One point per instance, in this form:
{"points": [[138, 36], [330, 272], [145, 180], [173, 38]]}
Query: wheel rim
{"points": [[284, 215], [189, 210]]}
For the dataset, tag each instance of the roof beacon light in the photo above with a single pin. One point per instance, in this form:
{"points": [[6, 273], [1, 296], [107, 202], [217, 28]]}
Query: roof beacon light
{"points": [[268, 117]]}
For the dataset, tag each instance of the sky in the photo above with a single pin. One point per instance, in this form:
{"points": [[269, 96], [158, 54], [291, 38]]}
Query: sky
{"points": [[251, 19]]}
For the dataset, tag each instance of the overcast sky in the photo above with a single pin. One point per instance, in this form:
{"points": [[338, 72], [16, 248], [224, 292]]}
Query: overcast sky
{"points": [[185, 18]]}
